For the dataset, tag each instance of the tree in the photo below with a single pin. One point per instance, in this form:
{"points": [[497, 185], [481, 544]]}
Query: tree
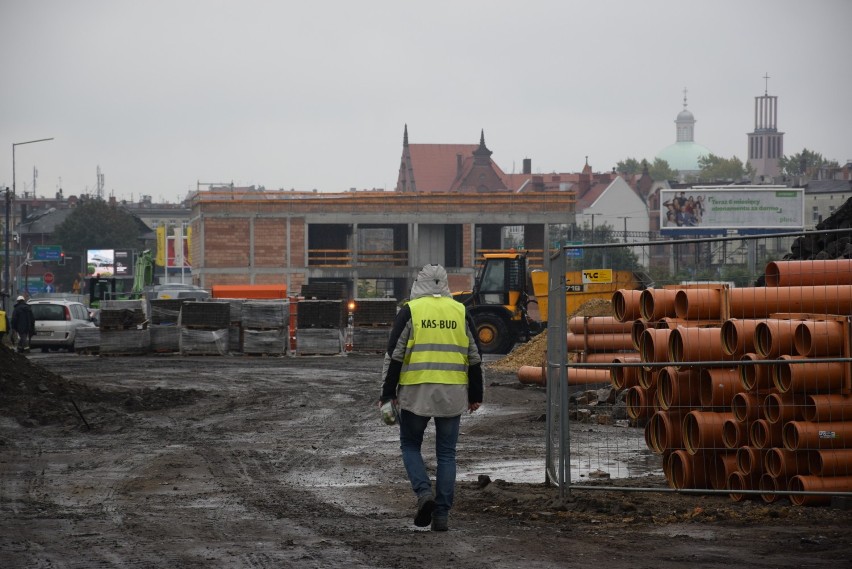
{"points": [[630, 166], [617, 257], [660, 170], [805, 162], [717, 168], [95, 224]]}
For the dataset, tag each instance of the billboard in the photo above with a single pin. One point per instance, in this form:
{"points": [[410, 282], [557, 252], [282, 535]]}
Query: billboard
{"points": [[706, 209], [100, 262], [123, 263]]}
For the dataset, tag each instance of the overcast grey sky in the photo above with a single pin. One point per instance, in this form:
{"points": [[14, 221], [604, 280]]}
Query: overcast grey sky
{"points": [[162, 94]]}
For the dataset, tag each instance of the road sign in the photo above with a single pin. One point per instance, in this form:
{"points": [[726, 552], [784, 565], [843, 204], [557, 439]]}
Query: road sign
{"points": [[47, 252], [48, 278]]}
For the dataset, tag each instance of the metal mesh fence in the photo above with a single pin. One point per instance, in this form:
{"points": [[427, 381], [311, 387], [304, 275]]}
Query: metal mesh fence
{"points": [[723, 365]]}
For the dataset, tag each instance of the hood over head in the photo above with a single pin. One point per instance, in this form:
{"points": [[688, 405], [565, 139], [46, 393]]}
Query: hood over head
{"points": [[431, 280]]}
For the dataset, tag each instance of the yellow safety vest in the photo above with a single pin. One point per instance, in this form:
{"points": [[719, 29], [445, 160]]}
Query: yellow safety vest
{"points": [[2, 321], [437, 348]]}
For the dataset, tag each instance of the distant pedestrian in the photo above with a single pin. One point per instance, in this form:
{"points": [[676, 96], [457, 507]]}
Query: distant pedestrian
{"points": [[3, 325], [23, 323], [432, 369]]}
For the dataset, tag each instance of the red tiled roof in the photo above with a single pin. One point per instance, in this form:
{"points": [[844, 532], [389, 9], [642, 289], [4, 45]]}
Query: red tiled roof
{"points": [[435, 165], [591, 196]]}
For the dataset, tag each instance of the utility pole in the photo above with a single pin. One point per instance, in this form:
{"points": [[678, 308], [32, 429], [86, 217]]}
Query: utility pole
{"points": [[625, 218]]}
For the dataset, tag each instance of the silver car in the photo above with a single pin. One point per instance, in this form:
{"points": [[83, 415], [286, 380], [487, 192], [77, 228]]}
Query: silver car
{"points": [[56, 323]]}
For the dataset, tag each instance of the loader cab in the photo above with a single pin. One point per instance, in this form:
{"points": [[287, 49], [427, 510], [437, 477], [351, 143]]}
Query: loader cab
{"points": [[501, 280]]}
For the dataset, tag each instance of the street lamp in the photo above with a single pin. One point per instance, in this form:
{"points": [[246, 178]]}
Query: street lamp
{"points": [[8, 290]]}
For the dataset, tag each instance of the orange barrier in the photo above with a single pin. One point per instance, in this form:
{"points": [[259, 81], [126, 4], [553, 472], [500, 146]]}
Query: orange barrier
{"points": [[783, 407], [724, 464], [598, 325], [803, 483], [809, 272], [836, 462], [695, 345], [764, 435], [760, 302], [804, 435], [813, 376], [827, 407], [814, 338], [718, 387], [738, 335], [698, 303], [656, 303], [785, 463], [774, 337], [702, 430], [678, 389], [755, 377], [602, 342], [627, 305], [624, 377]]}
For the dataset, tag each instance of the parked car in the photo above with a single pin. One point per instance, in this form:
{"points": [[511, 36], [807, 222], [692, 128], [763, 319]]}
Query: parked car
{"points": [[57, 322]]}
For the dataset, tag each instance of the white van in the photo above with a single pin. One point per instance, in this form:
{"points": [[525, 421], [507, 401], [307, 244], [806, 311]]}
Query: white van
{"points": [[56, 323]]}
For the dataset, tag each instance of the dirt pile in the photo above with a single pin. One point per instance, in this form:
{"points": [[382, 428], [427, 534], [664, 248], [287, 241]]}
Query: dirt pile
{"points": [[33, 395], [533, 352]]}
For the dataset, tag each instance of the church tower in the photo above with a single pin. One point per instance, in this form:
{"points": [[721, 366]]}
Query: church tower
{"points": [[765, 143]]}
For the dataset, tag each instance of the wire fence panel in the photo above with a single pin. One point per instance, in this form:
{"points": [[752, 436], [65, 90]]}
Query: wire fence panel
{"points": [[724, 364]]}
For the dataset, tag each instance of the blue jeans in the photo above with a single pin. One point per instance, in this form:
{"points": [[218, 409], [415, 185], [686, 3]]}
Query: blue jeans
{"points": [[411, 429]]}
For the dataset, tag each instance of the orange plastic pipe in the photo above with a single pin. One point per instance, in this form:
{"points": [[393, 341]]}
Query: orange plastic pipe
{"points": [[679, 389], [696, 345], [836, 462], [663, 431], [746, 406], [809, 272], [601, 342], [636, 330], [785, 463], [734, 434], [814, 376], [638, 401], [702, 430], [718, 386], [576, 376], [775, 337], [648, 377], [627, 305], [760, 302], [738, 481], [698, 304], [603, 357], [532, 375], [653, 345], [598, 325], [802, 483], [769, 485], [755, 377], [783, 407], [827, 407], [750, 459], [690, 470], [738, 335], [763, 434], [724, 464], [814, 338], [656, 303], [624, 377], [801, 435]]}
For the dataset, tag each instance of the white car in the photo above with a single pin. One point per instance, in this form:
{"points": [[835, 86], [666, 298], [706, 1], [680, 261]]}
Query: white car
{"points": [[56, 323]]}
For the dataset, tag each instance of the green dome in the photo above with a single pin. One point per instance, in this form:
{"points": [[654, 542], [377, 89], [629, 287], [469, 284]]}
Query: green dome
{"points": [[683, 156]]}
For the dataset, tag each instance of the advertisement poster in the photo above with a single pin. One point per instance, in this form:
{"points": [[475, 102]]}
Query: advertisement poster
{"points": [[723, 208], [123, 263], [100, 262]]}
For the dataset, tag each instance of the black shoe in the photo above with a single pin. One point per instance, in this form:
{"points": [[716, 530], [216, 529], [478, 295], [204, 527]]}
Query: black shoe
{"points": [[439, 524], [425, 507]]}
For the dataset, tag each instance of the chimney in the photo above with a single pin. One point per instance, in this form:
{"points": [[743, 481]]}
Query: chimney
{"points": [[458, 165], [527, 166]]}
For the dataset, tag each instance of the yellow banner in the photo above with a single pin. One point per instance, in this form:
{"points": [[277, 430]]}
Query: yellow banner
{"points": [[601, 276], [189, 245], [161, 246]]}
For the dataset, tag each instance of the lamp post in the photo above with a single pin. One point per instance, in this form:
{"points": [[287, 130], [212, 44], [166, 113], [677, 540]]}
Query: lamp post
{"points": [[6, 288], [9, 199]]}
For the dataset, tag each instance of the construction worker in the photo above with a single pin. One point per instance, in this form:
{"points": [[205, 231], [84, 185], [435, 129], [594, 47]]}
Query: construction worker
{"points": [[23, 323], [3, 325], [432, 370]]}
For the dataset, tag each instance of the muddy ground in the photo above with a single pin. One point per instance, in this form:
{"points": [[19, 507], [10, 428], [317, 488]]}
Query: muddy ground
{"points": [[186, 462]]}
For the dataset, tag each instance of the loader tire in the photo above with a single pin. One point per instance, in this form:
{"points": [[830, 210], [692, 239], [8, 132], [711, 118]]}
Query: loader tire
{"points": [[493, 334]]}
